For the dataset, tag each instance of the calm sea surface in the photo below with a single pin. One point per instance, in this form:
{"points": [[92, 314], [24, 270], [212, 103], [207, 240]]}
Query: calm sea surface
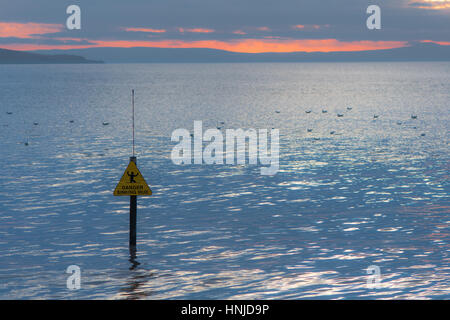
{"points": [[376, 192]]}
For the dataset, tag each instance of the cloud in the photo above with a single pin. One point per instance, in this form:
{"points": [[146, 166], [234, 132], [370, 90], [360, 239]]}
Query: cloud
{"points": [[442, 43], [244, 45], [235, 25], [309, 26], [401, 19], [431, 4], [145, 30], [27, 30], [196, 30]]}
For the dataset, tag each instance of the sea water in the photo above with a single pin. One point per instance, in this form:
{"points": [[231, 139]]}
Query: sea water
{"points": [[375, 192]]}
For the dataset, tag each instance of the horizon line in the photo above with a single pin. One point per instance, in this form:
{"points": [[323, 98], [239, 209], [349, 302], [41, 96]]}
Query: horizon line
{"points": [[336, 49]]}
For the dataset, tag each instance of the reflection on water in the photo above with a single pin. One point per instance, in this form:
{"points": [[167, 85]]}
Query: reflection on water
{"points": [[134, 262], [372, 193], [135, 288]]}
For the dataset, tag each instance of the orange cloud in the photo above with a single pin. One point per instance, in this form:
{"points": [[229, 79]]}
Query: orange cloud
{"points": [[244, 45], [200, 30], [145, 30], [263, 29], [27, 30], [239, 32], [69, 39], [431, 4], [196, 30], [309, 26], [442, 43]]}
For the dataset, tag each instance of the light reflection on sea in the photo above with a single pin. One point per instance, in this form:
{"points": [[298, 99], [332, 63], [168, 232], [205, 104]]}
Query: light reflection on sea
{"points": [[373, 193]]}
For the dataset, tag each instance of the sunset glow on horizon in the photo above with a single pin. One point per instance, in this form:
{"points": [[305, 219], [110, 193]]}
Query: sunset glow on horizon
{"points": [[293, 37], [242, 46]]}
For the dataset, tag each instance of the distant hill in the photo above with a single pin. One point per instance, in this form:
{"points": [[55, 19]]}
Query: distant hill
{"points": [[22, 57], [417, 52]]}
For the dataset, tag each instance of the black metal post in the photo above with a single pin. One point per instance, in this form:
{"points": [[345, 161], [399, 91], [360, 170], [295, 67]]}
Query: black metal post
{"points": [[133, 216]]}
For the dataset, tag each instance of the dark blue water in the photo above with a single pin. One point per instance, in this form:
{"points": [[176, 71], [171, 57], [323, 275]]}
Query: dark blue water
{"points": [[376, 192]]}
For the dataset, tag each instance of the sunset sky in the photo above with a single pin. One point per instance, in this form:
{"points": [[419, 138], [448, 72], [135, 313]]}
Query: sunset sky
{"points": [[233, 25]]}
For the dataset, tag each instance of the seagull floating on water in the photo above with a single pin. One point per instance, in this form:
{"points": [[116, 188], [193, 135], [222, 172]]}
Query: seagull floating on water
{"points": [[375, 116], [340, 115], [413, 116], [309, 130], [308, 111], [349, 108], [8, 112], [105, 123], [324, 111]]}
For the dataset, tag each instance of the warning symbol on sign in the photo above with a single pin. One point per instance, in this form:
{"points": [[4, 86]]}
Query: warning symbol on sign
{"points": [[132, 183]]}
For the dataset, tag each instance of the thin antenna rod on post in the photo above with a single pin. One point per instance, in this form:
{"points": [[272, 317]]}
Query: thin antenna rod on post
{"points": [[132, 107]]}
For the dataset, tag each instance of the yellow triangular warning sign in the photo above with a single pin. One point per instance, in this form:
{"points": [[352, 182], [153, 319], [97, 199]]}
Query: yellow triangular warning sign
{"points": [[132, 183]]}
